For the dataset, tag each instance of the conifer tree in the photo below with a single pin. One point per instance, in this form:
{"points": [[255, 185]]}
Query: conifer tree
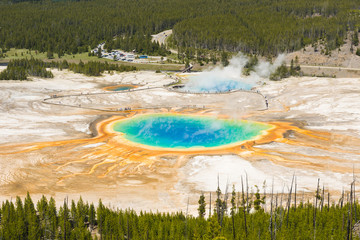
{"points": [[32, 220], [91, 216], [202, 206], [233, 210], [355, 38], [65, 226], [100, 212], [53, 219]]}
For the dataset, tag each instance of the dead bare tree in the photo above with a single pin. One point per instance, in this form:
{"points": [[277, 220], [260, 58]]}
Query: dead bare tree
{"points": [[264, 204], [295, 194], [271, 210], [317, 196], [223, 208], [243, 205], [247, 194], [281, 207], [275, 220], [186, 217], [322, 198], [289, 201], [354, 181], [210, 207]]}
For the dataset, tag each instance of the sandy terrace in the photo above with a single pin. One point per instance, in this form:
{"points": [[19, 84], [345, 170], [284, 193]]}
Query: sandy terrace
{"points": [[52, 149]]}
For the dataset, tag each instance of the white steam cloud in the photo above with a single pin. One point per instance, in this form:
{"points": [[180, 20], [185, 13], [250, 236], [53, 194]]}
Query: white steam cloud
{"points": [[222, 79], [265, 69]]}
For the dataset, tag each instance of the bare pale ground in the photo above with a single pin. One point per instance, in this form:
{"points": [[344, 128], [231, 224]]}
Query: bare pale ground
{"points": [[65, 146], [340, 62], [341, 57]]}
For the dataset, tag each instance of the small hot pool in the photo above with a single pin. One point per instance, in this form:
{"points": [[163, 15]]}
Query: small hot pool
{"points": [[187, 131], [122, 87]]}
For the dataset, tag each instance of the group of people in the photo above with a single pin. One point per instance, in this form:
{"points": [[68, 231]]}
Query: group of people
{"points": [[125, 109], [266, 100], [267, 103]]}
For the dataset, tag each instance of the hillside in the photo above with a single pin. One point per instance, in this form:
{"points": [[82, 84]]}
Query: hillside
{"points": [[316, 56], [262, 27]]}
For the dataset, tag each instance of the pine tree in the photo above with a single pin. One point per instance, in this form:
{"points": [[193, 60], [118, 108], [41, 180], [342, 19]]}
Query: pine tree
{"points": [[50, 54], [42, 209], [32, 220], [20, 219], [92, 216], [65, 226], [202, 206], [101, 218], [258, 199], [214, 228], [224, 59], [355, 38], [53, 219], [218, 204]]}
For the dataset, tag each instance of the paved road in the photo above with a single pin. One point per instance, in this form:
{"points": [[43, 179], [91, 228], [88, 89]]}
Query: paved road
{"points": [[161, 38], [331, 71], [328, 67]]}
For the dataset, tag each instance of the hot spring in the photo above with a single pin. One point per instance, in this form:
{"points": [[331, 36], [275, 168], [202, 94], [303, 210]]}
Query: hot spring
{"points": [[209, 83], [187, 131], [122, 87]]}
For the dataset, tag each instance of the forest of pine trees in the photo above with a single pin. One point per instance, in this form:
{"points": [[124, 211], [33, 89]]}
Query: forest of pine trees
{"points": [[23, 68], [91, 68], [269, 27], [264, 27], [235, 215]]}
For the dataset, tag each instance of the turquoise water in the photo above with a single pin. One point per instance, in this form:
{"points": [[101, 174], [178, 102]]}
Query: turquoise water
{"points": [[207, 83], [122, 88], [186, 131]]}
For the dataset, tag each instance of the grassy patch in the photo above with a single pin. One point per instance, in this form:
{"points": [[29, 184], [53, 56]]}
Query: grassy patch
{"points": [[154, 67], [25, 53], [13, 54]]}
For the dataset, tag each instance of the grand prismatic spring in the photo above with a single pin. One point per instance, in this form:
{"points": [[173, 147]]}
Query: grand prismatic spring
{"points": [[187, 131]]}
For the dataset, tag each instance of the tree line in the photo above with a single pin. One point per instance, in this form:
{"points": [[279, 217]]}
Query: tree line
{"points": [[264, 27], [231, 215], [21, 69], [91, 68]]}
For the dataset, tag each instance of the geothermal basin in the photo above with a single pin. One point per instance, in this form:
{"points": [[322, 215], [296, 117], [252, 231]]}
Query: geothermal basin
{"points": [[67, 151], [181, 131]]}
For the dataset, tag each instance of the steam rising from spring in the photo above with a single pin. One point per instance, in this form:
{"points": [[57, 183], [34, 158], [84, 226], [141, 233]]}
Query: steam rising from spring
{"points": [[231, 77]]}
